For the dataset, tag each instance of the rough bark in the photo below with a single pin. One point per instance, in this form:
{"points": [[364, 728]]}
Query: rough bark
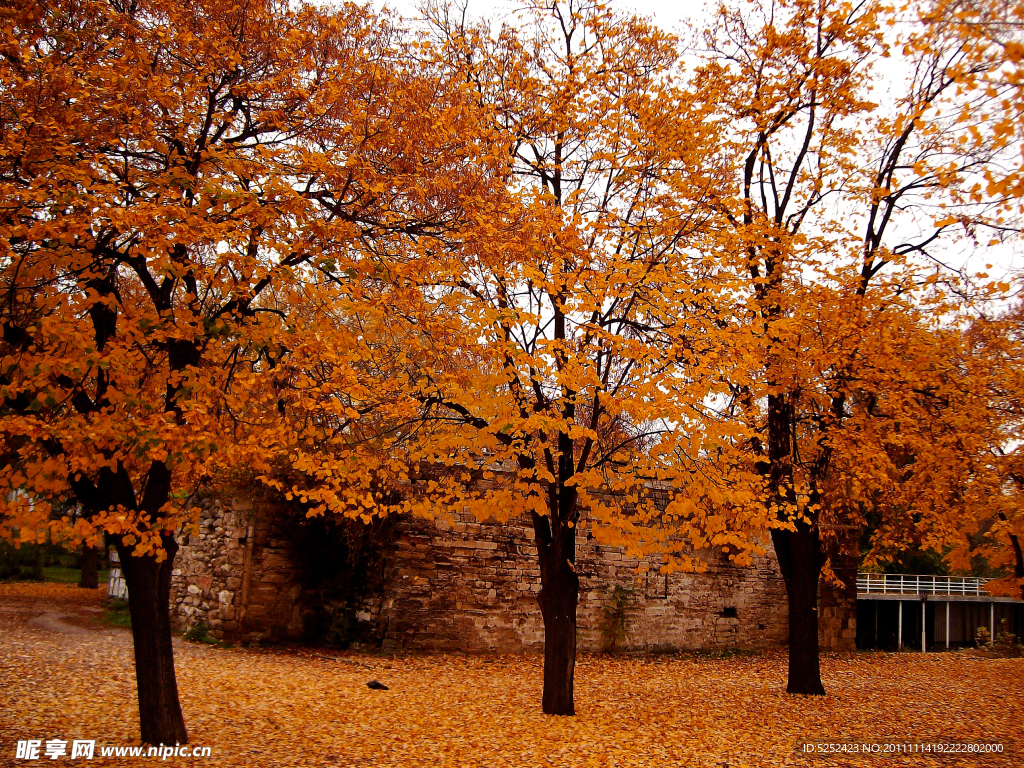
{"points": [[558, 598], [799, 552], [149, 591], [1018, 563], [90, 568], [801, 558]]}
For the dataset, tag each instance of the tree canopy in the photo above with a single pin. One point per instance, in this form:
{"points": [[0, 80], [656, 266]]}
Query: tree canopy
{"points": [[538, 269]]}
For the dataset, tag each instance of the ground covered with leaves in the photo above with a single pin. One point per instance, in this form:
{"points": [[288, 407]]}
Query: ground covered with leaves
{"points": [[66, 673]]}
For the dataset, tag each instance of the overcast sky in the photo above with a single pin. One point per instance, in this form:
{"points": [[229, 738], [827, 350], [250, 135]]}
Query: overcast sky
{"points": [[669, 15], [681, 17]]}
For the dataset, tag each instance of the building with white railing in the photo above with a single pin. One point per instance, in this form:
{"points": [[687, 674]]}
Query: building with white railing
{"points": [[913, 584], [952, 608]]}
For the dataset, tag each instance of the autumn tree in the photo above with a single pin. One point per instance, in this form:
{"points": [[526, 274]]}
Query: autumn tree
{"points": [[991, 35], [573, 330], [991, 526], [841, 204], [173, 177]]}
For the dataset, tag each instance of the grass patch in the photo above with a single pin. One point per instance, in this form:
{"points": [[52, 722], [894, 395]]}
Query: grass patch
{"points": [[116, 613], [65, 575]]}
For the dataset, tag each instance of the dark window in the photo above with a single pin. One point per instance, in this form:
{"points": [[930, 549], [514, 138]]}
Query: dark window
{"points": [[657, 585]]}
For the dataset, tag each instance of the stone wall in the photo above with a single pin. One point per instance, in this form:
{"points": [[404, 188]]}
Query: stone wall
{"points": [[472, 586], [233, 576], [837, 603]]}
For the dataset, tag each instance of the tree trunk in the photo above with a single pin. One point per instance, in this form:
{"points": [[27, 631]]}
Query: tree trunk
{"points": [[39, 562], [90, 568], [801, 558], [149, 592], [558, 598], [799, 552], [1018, 563]]}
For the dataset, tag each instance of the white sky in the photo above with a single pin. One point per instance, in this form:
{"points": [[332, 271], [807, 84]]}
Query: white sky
{"points": [[669, 15], [683, 17]]}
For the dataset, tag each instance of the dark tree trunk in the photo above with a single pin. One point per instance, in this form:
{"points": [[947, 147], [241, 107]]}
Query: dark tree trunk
{"points": [[90, 568], [799, 552], [39, 562], [149, 591], [1015, 545], [801, 558], [558, 598], [1018, 563]]}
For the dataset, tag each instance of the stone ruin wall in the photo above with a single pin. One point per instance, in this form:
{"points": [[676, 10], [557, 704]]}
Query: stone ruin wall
{"points": [[837, 605], [472, 586], [232, 576]]}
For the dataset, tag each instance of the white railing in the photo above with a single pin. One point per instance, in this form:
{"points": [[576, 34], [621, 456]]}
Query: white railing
{"points": [[116, 585], [912, 584]]}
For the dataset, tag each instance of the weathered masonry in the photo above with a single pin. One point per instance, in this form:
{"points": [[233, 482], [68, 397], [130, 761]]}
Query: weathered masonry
{"points": [[472, 586]]}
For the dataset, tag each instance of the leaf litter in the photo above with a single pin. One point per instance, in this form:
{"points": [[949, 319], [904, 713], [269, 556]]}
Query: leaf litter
{"points": [[63, 674]]}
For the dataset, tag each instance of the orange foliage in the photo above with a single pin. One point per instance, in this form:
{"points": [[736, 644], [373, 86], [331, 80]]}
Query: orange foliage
{"points": [[179, 182], [372, 269]]}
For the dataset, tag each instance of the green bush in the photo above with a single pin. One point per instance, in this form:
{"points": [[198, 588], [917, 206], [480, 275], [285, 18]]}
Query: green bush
{"points": [[1008, 643], [21, 563], [340, 563], [614, 628], [982, 637], [199, 633]]}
